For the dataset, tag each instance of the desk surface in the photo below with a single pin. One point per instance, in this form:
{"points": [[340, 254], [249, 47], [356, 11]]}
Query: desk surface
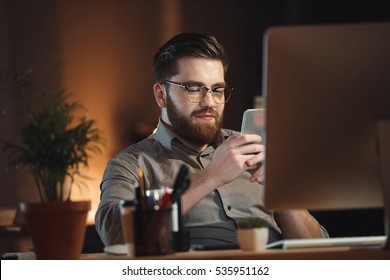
{"points": [[338, 253]]}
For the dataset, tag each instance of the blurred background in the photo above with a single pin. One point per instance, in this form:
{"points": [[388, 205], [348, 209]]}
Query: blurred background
{"points": [[102, 52]]}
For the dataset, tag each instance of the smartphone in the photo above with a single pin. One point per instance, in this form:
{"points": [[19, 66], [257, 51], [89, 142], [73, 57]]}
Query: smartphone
{"points": [[253, 122]]}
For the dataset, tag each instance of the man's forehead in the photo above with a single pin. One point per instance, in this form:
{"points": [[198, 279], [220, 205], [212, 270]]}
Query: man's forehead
{"points": [[200, 69]]}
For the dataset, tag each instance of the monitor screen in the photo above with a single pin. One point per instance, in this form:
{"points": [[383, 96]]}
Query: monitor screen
{"points": [[325, 87]]}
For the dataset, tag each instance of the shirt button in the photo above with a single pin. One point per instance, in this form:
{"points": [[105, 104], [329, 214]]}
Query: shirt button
{"points": [[229, 208]]}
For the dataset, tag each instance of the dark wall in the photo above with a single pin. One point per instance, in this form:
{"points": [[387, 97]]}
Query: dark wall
{"points": [[29, 33], [240, 25]]}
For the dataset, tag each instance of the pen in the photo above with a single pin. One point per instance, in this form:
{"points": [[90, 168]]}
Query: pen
{"points": [[181, 184], [138, 198], [165, 200]]}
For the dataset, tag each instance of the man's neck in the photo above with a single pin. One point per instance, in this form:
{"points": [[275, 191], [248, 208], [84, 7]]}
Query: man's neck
{"points": [[198, 148]]}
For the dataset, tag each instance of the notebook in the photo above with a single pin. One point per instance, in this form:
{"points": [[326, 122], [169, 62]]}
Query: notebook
{"points": [[360, 241]]}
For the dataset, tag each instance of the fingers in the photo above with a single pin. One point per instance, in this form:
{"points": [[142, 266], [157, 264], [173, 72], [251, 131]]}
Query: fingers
{"points": [[249, 146], [251, 149], [246, 144], [243, 151], [257, 157], [254, 166], [258, 175], [243, 139]]}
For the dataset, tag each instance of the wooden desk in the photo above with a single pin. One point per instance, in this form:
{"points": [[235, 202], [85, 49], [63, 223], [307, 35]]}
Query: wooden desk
{"points": [[340, 253]]}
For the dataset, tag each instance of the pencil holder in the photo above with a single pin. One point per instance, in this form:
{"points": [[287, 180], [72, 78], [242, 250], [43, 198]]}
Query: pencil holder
{"points": [[153, 234]]}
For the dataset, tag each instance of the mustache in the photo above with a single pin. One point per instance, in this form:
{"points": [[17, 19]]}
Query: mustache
{"points": [[206, 111]]}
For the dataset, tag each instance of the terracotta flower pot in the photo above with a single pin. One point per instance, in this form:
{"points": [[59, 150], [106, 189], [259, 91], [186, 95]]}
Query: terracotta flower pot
{"points": [[252, 238], [57, 228]]}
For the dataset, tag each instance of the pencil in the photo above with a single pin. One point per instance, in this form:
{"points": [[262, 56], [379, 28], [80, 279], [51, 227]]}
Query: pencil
{"points": [[141, 186]]}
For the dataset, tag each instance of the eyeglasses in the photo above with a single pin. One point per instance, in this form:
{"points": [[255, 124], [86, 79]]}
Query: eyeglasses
{"points": [[196, 92]]}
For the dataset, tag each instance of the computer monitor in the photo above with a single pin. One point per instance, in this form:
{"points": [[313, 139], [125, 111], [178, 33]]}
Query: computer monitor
{"points": [[327, 90]]}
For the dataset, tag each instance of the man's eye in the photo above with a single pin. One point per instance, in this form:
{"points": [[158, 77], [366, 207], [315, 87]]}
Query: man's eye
{"points": [[193, 88], [219, 90]]}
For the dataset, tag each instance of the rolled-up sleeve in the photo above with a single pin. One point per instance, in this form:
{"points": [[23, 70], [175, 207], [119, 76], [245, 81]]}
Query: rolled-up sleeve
{"points": [[118, 183]]}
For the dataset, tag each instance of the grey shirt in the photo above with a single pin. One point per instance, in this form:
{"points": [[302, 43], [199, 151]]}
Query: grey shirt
{"points": [[212, 221]]}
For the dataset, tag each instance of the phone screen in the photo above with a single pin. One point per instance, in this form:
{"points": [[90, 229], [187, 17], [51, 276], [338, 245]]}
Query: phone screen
{"points": [[253, 122]]}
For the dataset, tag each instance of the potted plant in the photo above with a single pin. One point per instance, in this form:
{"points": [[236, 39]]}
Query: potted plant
{"points": [[252, 234], [54, 145]]}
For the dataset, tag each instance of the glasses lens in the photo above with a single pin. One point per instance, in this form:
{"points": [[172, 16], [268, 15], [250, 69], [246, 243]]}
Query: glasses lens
{"points": [[220, 95], [226, 95], [194, 94]]}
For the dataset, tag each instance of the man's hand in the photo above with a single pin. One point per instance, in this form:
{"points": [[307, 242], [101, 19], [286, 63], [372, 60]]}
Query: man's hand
{"points": [[236, 155], [258, 172]]}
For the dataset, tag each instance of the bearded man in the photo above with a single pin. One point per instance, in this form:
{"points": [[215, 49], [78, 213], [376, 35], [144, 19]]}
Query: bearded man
{"points": [[226, 171]]}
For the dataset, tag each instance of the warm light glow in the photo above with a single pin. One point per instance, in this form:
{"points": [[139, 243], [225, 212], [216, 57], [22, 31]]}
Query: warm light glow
{"points": [[108, 66], [92, 189]]}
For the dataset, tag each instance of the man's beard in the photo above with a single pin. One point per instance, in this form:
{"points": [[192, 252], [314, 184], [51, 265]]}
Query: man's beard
{"points": [[196, 133]]}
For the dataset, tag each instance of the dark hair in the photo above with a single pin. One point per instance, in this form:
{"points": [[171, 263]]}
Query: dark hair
{"points": [[186, 45]]}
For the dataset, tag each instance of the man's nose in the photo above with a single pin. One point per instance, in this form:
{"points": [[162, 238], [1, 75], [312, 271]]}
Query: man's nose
{"points": [[208, 99]]}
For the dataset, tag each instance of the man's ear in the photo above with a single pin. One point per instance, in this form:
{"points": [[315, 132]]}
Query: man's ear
{"points": [[159, 95]]}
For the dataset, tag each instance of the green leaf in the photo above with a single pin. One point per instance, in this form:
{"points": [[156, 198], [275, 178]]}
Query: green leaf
{"points": [[253, 223], [55, 141]]}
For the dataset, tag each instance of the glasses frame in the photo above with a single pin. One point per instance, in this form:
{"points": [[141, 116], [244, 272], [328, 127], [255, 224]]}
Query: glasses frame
{"points": [[202, 88]]}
